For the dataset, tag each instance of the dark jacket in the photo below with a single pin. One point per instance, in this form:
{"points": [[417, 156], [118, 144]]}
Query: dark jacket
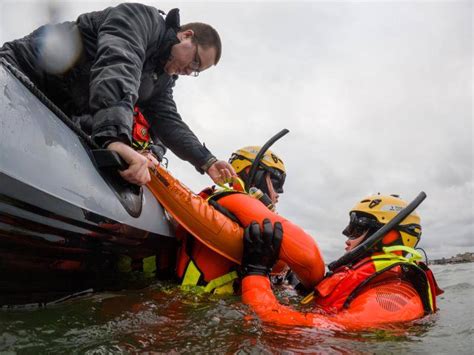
{"points": [[124, 50]]}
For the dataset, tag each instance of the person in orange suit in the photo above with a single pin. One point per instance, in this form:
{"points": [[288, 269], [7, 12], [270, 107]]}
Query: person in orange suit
{"points": [[387, 285], [198, 265]]}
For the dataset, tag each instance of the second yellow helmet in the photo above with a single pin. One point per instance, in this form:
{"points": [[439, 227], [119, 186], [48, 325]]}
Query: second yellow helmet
{"points": [[374, 211]]}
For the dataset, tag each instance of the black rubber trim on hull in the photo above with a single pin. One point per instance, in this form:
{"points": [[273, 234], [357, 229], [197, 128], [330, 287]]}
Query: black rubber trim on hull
{"points": [[45, 255], [61, 219]]}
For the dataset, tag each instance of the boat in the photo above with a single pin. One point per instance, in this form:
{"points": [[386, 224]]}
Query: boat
{"points": [[68, 222]]}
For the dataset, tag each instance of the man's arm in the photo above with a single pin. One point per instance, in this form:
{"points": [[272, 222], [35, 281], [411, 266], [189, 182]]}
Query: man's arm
{"points": [[167, 125], [124, 33], [261, 251], [257, 293], [122, 41], [393, 301]]}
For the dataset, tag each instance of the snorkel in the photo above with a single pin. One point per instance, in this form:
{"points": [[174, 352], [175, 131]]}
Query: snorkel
{"points": [[261, 153], [366, 246], [261, 193]]}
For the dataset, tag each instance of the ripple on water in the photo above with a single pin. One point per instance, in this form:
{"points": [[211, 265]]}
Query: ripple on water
{"points": [[459, 286], [163, 318]]}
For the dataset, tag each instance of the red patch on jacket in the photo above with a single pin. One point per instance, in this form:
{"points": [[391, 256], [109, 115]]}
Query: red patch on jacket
{"points": [[141, 127]]}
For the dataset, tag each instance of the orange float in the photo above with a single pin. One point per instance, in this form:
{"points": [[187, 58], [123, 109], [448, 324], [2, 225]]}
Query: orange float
{"points": [[299, 250]]}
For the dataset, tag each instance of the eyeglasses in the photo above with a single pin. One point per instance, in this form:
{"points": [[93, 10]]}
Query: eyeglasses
{"points": [[195, 65]]}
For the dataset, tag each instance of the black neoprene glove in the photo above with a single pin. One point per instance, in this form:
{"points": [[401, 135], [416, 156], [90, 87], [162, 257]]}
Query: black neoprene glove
{"points": [[261, 248]]}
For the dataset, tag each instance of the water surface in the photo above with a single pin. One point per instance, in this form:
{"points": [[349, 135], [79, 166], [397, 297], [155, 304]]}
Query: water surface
{"points": [[162, 318]]}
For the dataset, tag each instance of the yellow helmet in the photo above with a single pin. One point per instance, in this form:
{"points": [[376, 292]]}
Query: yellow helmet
{"points": [[242, 160], [372, 212], [244, 157]]}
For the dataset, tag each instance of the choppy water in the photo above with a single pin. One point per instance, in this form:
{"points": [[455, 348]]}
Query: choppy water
{"points": [[162, 318]]}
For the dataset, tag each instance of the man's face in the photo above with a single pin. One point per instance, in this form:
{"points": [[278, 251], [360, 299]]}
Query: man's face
{"points": [[187, 57]]}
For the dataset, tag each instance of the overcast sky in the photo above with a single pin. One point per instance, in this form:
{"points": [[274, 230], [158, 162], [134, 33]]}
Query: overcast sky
{"points": [[377, 97]]}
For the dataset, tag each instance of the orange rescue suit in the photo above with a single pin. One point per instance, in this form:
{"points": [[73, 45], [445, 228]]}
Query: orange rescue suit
{"points": [[353, 298], [299, 250], [210, 264]]}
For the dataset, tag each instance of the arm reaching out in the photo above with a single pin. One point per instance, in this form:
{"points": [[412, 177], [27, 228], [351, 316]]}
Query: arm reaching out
{"points": [[381, 303], [261, 251], [257, 293]]}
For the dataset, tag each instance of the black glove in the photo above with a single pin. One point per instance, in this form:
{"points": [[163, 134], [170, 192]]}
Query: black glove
{"points": [[261, 249]]}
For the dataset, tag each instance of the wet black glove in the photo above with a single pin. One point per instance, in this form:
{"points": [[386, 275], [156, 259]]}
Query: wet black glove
{"points": [[261, 248]]}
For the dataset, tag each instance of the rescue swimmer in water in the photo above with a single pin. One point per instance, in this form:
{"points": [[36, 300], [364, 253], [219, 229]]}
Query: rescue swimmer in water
{"points": [[387, 284], [207, 219], [197, 264], [379, 280]]}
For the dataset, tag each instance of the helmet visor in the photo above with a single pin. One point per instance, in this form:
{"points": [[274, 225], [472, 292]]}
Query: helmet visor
{"points": [[358, 225], [278, 180]]}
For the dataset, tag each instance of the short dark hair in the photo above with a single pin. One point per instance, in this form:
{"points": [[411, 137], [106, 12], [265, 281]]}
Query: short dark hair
{"points": [[206, 36]]}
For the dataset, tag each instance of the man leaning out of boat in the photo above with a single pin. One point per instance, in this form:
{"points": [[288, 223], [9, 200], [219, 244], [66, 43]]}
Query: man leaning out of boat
{"points": [[108, 62]]}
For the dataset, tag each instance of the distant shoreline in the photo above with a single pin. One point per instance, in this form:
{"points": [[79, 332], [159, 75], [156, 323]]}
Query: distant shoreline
{"points": [[467, 257]]}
